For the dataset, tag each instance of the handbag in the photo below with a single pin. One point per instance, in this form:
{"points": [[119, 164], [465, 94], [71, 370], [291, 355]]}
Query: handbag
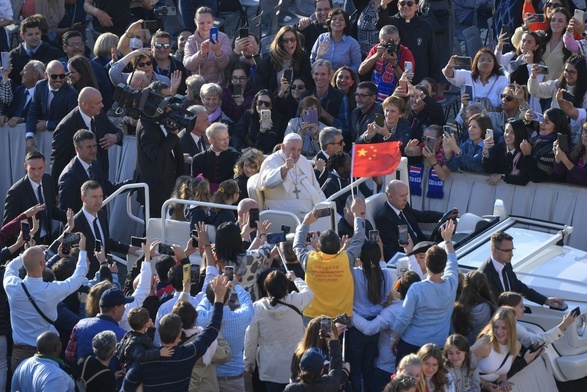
{"points": [[81, 384], [32, 301]]}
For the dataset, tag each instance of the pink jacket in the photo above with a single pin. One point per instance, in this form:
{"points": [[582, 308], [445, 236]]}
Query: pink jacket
{"points": [[210, 67]]}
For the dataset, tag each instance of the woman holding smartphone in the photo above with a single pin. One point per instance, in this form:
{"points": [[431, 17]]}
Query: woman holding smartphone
{"points": [[573, 163], [505, 160], [238, 94], [307, 125], [467, 156]]}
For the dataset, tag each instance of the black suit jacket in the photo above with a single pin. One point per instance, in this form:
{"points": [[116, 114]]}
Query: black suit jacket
{"points": [[323, 175], [387, 222], [189, 146], [62, 150], [19, 57], [73, 177], [159, 163], [21, 197], [83, 226], [64, 100], [515, 284], [18, 107]]}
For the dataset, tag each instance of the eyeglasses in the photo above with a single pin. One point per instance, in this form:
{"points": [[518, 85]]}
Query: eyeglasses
{"points": [[161, 46], [357, 95], [489, 60], [340, 143], [508, 98], [505, 250], [264, 103], [568, 71], [76, 44], [298, 87], [60, 76], [239, 78], [548, 4], [147, 63], [286, 40], [408, 3]]}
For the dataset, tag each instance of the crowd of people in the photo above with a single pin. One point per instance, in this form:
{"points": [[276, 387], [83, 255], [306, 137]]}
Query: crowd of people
{"points": [[217, 116]]}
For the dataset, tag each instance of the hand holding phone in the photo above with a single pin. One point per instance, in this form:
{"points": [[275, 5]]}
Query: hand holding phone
{"points": [[229, 272], [325, 327], [374, 235], [576, 312], [25, 228], [253, 217], [403, 238], [322, 212], [213, 35]]}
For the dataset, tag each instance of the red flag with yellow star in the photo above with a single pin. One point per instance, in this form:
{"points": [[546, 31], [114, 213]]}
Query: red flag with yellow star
{"points": [[377, 159]]}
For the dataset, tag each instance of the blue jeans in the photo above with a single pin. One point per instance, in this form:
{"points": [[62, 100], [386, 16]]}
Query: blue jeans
{"points": [[361, 353], [188, 8]]}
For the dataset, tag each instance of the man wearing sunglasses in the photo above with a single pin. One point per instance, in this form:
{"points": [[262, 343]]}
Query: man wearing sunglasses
{"points": [[165, 64], [53, 99]]}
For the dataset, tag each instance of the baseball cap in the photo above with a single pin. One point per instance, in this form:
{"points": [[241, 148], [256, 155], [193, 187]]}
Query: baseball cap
{"points": [[114, 297], [312, 361]]}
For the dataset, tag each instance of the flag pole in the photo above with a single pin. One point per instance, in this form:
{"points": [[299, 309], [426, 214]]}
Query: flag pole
{"points": [[353, 170]]}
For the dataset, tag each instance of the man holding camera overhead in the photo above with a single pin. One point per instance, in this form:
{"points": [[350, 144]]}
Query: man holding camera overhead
{"points": [[387, 62]]}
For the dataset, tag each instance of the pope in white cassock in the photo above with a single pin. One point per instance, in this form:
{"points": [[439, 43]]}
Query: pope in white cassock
{"points": [[288, 180]]}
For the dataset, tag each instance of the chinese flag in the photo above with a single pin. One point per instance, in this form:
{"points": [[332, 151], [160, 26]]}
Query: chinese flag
{"points": [[378, 159]]}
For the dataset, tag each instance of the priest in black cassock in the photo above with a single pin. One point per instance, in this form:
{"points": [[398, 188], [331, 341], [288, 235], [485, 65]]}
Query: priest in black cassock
{"points": [[217, 162]]}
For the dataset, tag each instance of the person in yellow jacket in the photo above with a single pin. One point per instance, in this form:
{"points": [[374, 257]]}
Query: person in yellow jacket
{"points": [[328, 269]]}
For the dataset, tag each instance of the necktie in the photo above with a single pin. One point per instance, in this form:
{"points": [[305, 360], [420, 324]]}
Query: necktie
{"points": [[97, 236], [506, 283], [90, 172], [201, 144], [43, 215], [93, 127], [50, 100], [410, 230]]}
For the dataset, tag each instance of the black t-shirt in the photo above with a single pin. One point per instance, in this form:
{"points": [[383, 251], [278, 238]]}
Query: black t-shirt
{"points": [[104, 382]]}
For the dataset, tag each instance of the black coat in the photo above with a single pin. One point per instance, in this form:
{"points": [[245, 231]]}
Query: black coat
{"points": [[64, 100], [19, 58]]}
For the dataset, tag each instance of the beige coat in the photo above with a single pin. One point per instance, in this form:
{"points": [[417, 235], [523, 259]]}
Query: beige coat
{"points": [[204, 372]]}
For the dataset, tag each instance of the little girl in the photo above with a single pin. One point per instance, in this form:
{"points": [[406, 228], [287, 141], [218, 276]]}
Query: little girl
{"points": [[403, 383], [411, 366], [461, 364], [437, 378]]}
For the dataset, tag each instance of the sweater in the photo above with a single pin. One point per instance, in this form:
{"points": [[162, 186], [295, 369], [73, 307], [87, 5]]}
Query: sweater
{"points": [[209, 66]]}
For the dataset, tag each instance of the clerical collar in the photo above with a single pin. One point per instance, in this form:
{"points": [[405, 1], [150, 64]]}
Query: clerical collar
{"points": [[217, 153]]}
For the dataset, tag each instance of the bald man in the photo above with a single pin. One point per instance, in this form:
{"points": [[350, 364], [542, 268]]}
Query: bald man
{"points": [[42, 372], [53, 99], [397, 211], [27, 322], [87, 115], [288, 179]]}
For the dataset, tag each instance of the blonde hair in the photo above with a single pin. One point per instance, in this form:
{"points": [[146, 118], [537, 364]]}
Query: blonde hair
{"points": [[252, 157], [508, 315], [412, 360]]}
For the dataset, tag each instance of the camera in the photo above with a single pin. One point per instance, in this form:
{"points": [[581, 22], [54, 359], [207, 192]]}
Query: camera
{"points": [[165, 11], [390, 47], [162, 110]]}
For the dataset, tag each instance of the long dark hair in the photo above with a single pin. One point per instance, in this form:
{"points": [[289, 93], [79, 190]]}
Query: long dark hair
{"points": [[579, 149], [537, 54], [520, 132], [83, 67], [475, 291], [229, 244], [560, 120], [370, 257], [548, 32], [496, 71], [277, 53], [580, 64], [253, 109]]}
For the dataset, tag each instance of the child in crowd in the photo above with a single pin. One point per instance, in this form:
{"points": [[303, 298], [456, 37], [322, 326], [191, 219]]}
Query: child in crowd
{"points": [[461, 364], [411, 366], [437, 378], [401, 383]]}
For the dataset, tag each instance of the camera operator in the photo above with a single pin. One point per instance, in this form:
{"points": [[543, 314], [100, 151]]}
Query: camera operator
{"points": [[386, 61], [159, 155]]}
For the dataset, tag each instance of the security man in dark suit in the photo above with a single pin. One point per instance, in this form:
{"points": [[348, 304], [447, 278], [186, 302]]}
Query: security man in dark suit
{"points": [[397, 211], [83, 167], [53, 99], [87, 115], [194, 142], [34, 188], [501, 276], [92, 222]]}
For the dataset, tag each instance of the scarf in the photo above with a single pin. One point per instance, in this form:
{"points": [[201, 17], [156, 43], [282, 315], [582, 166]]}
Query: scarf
{"points": [[215, 114]]}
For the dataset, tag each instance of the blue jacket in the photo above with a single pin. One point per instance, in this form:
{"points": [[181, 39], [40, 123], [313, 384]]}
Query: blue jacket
{"points": [[87, 328]]}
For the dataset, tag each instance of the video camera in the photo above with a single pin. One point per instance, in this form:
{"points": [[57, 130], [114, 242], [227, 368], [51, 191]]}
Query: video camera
{"points": [[390, 47], [162, 110], [165, 11]]}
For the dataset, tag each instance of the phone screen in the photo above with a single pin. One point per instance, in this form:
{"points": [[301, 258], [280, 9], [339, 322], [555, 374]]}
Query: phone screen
{"points": [[430, 143], [310, 116], [374, 235], [238, 89], [243, 32], [379, 119], [489, 133], [576, 311], [71, 238], [213, 35], [137, 241], [25, 227], [447, 129], [253, 217], [408, 66], [98, 246], [469, 91], [229, 272], [321, 213], [275, 238], [403, 235], [194, 233], [325, 326], [5, 60]]}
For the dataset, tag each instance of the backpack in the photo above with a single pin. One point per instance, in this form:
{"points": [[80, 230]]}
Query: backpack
{"points": [[81, 384]]}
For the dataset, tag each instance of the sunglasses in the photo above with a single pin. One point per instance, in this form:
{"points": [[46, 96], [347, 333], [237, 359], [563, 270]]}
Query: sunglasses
{"points": [[147, 63], [408, 3], [264, 103], [508, 98], [60, 76], [298, 87], [161, 46], [286, 40], [548, 4]]}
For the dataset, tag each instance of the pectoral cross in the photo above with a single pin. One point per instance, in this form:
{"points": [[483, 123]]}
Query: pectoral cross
{"points": [[296, 191]]}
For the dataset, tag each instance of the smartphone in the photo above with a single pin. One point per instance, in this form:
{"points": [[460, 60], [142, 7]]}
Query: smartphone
{"points": [[447, 129], [187, 273], [430, 142], [567, 96], [576, 312], [322, 212], [265, 118], [308, 238], [275, 238], [310, 116], [5, 60], [535, 347], [579, 15], [469, 91], [409, 67], [538, 18], [151, 25], [379, 119], [98, 246], [165, 249], [463, 62], [403, 235], [253, 217], [489, 133], [404, 85], [243, 32], [229, 272], [195, 273], [65, 248], [325, 326], [137, 241], [71, 238], [286, 229], [342, 319], [543, 69], [25, 227], [194, 233], [563, 142], [374, 235], [109, 259], [213, 35], [238, 89], [288, 75], [539, 117], [507, 30]]}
